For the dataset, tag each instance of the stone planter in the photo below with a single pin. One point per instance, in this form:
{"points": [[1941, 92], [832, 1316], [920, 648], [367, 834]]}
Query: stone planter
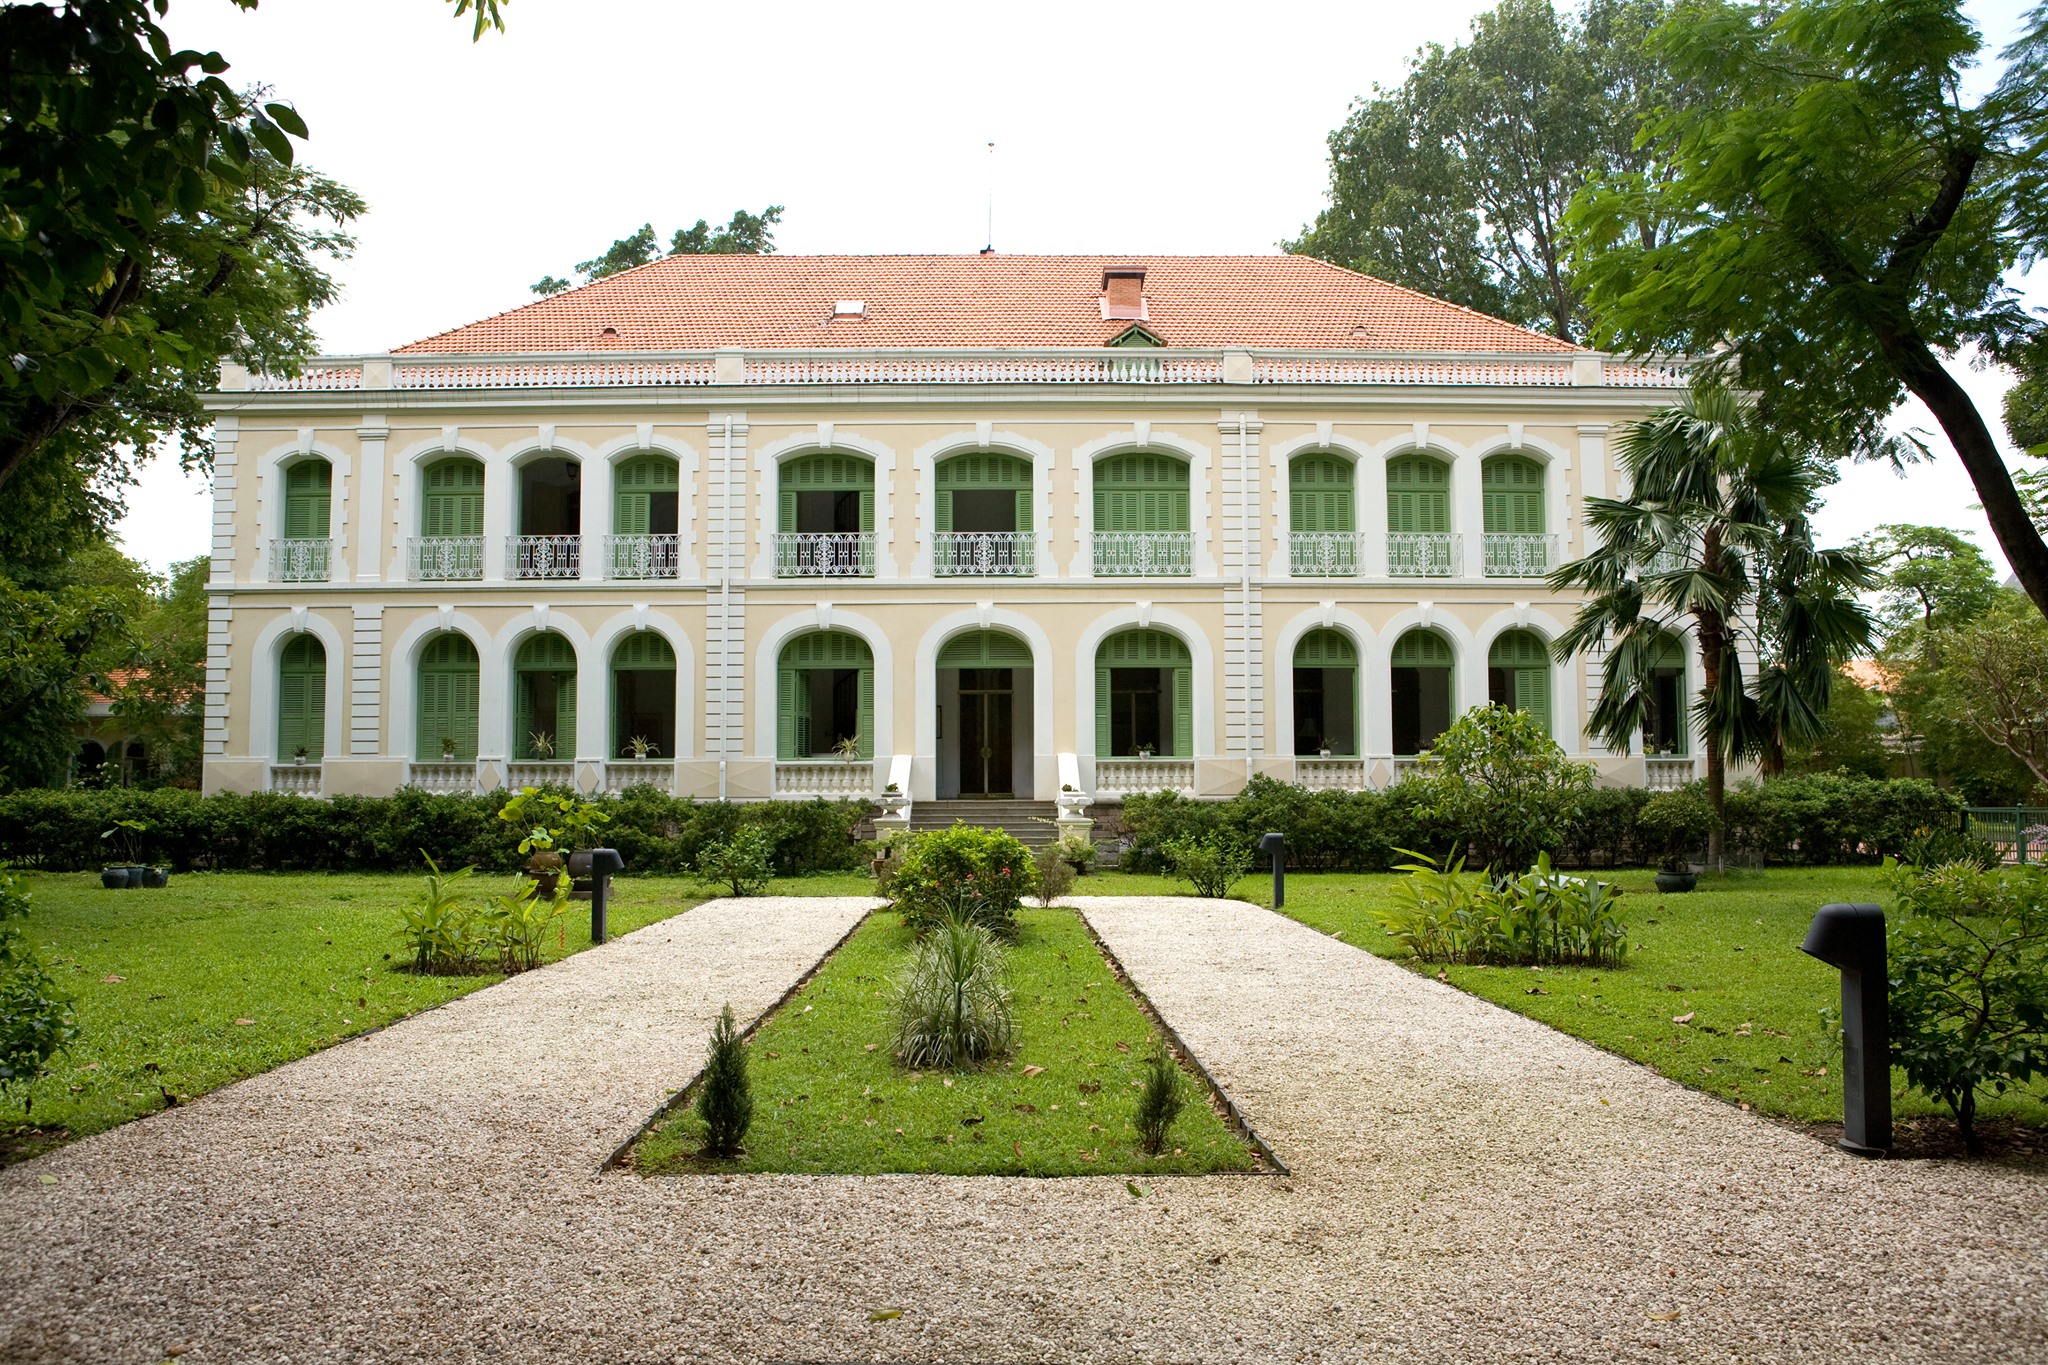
{"points": [[157, 878], [115, 878], [1670, 883]]}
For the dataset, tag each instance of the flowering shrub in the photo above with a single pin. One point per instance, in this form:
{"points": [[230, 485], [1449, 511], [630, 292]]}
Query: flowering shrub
{"points": [[965, 872]]}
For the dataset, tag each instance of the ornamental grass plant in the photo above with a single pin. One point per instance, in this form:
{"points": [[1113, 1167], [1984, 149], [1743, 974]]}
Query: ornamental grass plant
{"points": [[952, 1009]]}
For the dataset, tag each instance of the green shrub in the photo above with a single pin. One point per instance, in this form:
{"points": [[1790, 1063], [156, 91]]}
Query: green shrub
{"points": [[1672, 824], [965, 872], [725, 1100], [1212, 864], [1152, 819], [553, 820], [1159, 1101], [515, 926], [1077, 853], [952, 1009], [1602, 831], [1947, 844], [1969, 984], [1831, 819], [1055, 873], [36, 1022], [743, 863], [439, 927], [1442, 913], [1499, 779]]}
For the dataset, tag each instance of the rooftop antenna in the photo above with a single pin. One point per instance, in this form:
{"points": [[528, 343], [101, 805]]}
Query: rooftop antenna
{"points": [[989, 250]]}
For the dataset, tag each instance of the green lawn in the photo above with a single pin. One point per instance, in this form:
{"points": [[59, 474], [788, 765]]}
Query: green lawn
{"points": [[829, 1098], [222, 975], [1724, 959]]}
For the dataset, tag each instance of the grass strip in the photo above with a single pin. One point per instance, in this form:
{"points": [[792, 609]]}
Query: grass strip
{"points": [[829, 1098]]}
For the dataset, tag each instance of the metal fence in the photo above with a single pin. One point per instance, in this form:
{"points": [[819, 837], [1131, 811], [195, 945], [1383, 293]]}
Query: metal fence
{"points": [[2020, 833]]}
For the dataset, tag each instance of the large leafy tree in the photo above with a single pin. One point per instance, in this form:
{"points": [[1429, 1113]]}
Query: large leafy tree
{"points": [[1990, 677], [152, 224], [748, 234], [1456, 181], [1714, 532], [1932, 577], [1843, 217]]}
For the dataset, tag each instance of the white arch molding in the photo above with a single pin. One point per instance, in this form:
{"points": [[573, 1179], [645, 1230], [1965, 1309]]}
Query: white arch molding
{"points": [[1368, 499], [825, 439], [271, 468], [925, 691], [1280, 671], [1567, 719], [1148, 616], [594, 709], [599, 473], [510, 639], [1470, 681], [1143, 438], [1557, 466], [410, 465], [402, 693], [768, 658], [266, 654], [1041, 457]]}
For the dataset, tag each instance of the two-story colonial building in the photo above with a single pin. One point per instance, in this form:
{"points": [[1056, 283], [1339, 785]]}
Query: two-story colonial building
{"points": [[755, 527]]}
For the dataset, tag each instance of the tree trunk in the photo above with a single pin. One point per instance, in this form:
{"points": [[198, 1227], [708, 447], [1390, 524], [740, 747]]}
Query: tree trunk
{"points": [[1929, 380], [1712, 631]]}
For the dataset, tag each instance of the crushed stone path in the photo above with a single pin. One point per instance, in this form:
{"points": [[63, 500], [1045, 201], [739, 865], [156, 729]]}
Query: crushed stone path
{"points": [[1467, 1185]]}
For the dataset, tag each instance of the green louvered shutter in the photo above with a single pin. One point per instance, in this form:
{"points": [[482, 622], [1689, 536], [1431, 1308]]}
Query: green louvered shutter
{"points": [[302, 699], [522, 714], [1532, 694], [1183, 712], [308, 491], [864, 712], [436, 717], [786, 515], [1512, 492], [1024, 513], [1101, 712], [867, 508], [454, 502], [632, 512], [1523, 656], [1319, 495], [1418, 496], [943, 513], [448, 687], [787, 684]]}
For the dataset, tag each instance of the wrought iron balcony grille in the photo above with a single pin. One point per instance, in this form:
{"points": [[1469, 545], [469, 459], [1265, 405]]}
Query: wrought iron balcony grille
{"points": [[825, 554], [982, 554], [1144, 554]]}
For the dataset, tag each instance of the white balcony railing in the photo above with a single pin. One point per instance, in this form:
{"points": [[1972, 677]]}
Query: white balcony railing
{"points": [[1330, 774], [543, 556], [443, 778], [1125, 776], [1664, 561], [444, 559], [301, 559], [621, 773], [824, 777], [1323, 554], [982, 554], [1664, 772], [1144, 554], [295, 779], [1424, 554], [1519, 556], [825, 554], [539, 773], [641, 556]]}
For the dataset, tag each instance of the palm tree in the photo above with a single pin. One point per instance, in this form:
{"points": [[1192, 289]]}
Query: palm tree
{"points": [[1715, 530]]}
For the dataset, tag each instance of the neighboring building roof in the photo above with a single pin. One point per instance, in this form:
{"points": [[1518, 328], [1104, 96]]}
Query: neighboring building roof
{"points": [[1870, 675], [687, 303]]}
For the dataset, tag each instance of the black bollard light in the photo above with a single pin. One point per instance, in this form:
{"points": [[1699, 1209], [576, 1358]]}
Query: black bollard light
{"points": [[598, 864], [1274, 846], [1851, 937]]}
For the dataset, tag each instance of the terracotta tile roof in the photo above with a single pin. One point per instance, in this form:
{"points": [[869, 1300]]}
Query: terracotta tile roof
{"points": [[685, 303]]}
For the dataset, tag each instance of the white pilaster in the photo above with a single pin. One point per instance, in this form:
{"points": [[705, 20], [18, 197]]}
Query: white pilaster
{"points": [[371, 510], [366, 681], [1468, 518]]}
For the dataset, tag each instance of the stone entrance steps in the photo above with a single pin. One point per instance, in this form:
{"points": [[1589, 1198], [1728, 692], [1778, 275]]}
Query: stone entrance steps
{"points": [[1029, 821]]}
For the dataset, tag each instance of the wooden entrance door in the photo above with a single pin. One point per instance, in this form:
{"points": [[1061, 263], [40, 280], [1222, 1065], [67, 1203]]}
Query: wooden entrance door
{"points": [[985, 695]]}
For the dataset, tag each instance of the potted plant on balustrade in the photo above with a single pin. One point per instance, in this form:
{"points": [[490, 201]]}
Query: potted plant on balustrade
{"points": [[299, 757], [555, 822], [447, 749], [847, 747], [541, 745], [641, 748], [1672, 825]]}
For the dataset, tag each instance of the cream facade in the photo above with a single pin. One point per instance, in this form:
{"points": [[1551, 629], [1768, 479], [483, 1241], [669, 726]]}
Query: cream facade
{"points": [[777, 575]]}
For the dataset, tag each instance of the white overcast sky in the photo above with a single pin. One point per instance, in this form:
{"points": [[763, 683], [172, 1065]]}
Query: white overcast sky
{"points": [[1134, 127]]}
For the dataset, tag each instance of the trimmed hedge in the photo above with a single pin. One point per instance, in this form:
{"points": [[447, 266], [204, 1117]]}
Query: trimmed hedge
{"points": [[1815, 820], [60, 831]]}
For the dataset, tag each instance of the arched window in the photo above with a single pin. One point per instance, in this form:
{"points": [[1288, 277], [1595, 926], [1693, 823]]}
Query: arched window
{"points": [[548, 543], [1419, 518], [1323, 516], [1326, 694], [643, 697], [646, 516], [450, 545], [1141, 492], [544, 699], [1419, 689], [826, 517], [302, 699], [982, 516], [1512, 490], [448, 689], [824, 696], [1518, 675], [1144, 695], [1665, 722], [308, 494]]}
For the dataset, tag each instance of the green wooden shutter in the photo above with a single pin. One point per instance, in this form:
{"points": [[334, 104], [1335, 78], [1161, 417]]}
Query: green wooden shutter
{"points": [[522, 713], [464, 704], [786, 515], [302, 699], [1101, 712], [787, 681], [1319, 495], [1512, 493], [867, 509], [1532, 694], [1418, 496], [632, 513], [864, 713], [307, 498], [448, 687], [1024, 511], [943, 512], [1527, 661], [454, 501], [434, 719], [1183, 712]]}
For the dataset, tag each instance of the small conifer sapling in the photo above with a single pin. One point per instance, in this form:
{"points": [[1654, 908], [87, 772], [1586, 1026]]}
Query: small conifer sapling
{"points": [[1160, 1102], [725, 1102]]}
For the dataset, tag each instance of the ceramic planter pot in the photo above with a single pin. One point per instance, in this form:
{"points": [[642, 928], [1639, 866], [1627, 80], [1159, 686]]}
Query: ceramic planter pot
{"points": [[114, 878], [1672, 882], [156, 877]]}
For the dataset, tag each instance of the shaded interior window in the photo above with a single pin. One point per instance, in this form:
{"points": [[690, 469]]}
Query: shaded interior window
{"points": [[645, 705], [1421, 703], [1136, 711], [835, 707], [1325, 711], [827, 512], [550, 498], [984, 509], [1664, 714]]}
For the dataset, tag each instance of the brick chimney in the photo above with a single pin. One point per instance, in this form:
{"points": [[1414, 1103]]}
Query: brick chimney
{"points": [[1123, 292]]}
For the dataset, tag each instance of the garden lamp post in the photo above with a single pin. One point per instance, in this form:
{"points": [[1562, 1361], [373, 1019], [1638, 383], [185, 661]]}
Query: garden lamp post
{"points": [[1851, 938], [598, 864], [1274, 846]]}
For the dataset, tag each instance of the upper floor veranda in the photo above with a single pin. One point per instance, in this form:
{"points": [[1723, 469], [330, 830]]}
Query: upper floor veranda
{"points": [[916, 465]]}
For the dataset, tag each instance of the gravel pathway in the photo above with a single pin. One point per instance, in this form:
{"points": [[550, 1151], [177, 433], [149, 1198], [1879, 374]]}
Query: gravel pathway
{"points": [[1468, 1185]]}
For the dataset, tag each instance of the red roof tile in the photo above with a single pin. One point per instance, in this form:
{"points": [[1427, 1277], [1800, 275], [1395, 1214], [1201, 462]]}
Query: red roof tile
{"points": [[686, 303]]}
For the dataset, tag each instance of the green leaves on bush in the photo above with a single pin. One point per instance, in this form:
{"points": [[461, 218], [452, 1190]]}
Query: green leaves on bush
{"points": [[439, 927], [1499, 780], [1055, 873], [554, 819], [516, 926], [725, 1099], [1160, 1102], [1541, 918], [964, 872], [1969, 983], [952, 1009], [743, 863], [1674, 823], [1212, 864], [35, 1021]]}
